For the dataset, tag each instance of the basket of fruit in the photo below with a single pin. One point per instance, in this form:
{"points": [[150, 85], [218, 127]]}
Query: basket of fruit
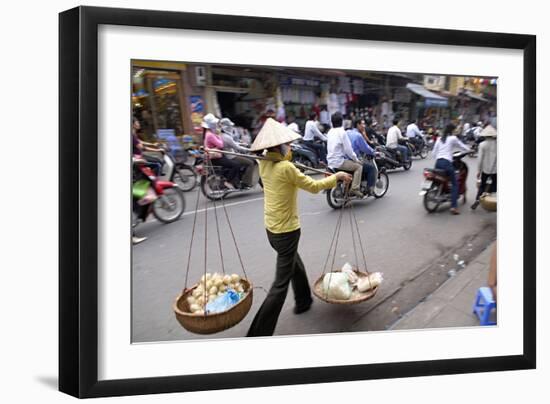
{"points": [[216, 303], [347, 286]]}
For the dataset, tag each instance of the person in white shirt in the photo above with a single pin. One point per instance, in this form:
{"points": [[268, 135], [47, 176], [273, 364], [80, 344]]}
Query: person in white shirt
{"points": [[392, 140], [443, 154], [341, 155], [292, 125], [465, 129], [414, 134], [311, 132], [487, 163]]}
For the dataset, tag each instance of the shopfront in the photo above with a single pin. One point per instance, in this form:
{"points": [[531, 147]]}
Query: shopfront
{"points": [[158, 98]]}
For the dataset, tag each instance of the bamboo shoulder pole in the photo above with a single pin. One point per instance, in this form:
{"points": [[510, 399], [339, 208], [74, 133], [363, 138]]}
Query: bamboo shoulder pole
{"points": [[256, 157]]}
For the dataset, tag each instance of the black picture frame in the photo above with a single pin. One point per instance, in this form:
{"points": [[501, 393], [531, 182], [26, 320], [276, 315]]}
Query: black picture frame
{"points": [[78, 201]]}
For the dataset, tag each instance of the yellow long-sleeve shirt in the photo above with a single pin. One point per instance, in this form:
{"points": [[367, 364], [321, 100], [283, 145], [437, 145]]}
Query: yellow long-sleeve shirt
{"points": [[281, 180]]}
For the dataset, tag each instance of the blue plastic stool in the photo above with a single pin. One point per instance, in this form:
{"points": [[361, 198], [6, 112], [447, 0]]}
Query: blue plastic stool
{"points": [[484, 305]]}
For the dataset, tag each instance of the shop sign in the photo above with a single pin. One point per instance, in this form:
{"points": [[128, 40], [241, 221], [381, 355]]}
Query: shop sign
{"points": [[197, 112], [434, 102], [297, 81]]}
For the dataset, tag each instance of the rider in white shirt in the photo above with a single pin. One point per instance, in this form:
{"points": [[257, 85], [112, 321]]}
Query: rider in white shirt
{"points": [[392, 140], [413, 133], [341, 155], [443, 154], [311, 132]]}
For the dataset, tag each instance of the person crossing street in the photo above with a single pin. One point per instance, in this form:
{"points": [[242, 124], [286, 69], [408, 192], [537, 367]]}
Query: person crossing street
{"points": [[282, 180]]}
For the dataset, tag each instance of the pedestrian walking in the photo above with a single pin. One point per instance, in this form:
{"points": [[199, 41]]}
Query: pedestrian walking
{"points": [[487, 163], [281, 180]]}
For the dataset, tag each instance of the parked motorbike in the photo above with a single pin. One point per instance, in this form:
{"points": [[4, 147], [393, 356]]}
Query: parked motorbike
{"points": [[213, 179], [338, 196], [436, 188], [151, 195], [392, 159]]}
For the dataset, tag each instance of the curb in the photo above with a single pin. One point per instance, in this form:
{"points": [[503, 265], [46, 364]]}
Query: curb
{"points": [[451, 304]]}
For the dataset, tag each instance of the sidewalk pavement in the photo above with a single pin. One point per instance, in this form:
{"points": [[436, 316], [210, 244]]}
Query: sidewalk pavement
{"points": [[451, 304]]}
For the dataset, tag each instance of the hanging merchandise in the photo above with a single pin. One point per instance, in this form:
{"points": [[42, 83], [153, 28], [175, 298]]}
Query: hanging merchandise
{"points": [[358, 87], [344, 84], [333, 105], [347, 285], [217, 301]]}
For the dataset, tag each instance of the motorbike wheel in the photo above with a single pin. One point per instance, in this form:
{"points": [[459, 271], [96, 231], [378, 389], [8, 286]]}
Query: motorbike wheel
{"points": [[335, 196], [431, 200], [170, 206], [407, 166], [185, 177], [424, 152], [382, 185], [212, 187]]}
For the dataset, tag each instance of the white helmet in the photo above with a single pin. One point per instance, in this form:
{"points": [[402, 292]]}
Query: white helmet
{"points": [[209, 121]]}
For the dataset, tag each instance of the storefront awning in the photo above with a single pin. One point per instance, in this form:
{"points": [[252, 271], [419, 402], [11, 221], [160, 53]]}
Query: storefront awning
{"points": [[475, 96], [431, 99]]}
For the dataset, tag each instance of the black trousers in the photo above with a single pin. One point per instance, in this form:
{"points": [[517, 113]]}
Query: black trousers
{"points": [[290, 269], [483, 185], [232, 166]]}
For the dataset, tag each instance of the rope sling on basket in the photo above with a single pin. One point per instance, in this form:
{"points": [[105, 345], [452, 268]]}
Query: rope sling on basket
{"points": [[218, 301], [348, 285]]}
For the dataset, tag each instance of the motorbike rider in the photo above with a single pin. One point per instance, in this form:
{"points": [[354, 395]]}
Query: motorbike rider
{"points": [[392, 140], [213, 140], [341, 155], [487, 163], [414, 134], [292, 125], [311, 132], [282, 180], [361, 148], [373, 138], [443, 154], [143, 149], [230, 145]]}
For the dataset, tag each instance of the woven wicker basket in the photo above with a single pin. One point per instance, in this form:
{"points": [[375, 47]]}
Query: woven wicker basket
{"points": [[216, 322], [356, 296], [488, 202]]}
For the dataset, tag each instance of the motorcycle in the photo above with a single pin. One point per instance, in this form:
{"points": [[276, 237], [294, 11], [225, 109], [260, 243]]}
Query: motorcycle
{"points": [[305, 155], [176, 170], [338, 196], [419, 148], [436, 188], [392, 159], [151, 195], [213, 179]]}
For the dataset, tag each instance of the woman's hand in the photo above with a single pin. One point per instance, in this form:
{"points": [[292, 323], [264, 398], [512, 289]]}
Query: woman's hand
{"points": [[342, 176]]}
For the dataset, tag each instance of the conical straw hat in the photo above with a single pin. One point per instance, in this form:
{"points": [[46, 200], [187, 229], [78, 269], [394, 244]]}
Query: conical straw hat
{"points": [[489, 131], [273, 134]]}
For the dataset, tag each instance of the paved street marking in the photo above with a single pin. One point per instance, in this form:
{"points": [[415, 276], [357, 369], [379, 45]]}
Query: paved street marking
{"points": [[227, 205]]}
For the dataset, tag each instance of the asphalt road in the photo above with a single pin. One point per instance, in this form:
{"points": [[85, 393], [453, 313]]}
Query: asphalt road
{"points": [[412, 248]]}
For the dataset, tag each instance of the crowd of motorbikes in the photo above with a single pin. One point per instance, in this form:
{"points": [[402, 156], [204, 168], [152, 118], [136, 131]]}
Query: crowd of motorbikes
{"points": [[174, 173]]}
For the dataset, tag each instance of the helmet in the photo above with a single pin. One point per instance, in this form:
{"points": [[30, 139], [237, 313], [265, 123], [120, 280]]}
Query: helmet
{"points": [[209, 121]]}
